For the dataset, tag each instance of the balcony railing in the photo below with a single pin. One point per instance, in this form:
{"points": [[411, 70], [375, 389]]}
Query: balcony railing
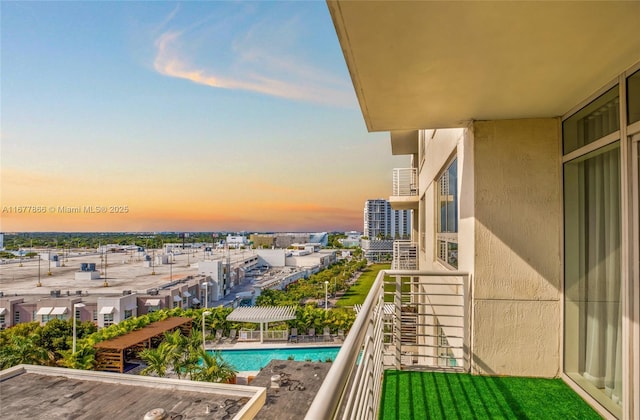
{"points": [[405, 182], [410, 320], [405, 255]]}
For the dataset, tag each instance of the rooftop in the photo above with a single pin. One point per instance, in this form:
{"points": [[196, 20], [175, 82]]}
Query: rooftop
{"points": [[45, 392], [125, 271], [299, 383]]}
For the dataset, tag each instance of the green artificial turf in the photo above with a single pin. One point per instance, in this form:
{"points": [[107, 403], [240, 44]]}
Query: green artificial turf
{"points": [[437, 395]]}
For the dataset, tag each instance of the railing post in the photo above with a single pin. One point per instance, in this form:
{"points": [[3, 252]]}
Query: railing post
{"points": [[397, 301]]}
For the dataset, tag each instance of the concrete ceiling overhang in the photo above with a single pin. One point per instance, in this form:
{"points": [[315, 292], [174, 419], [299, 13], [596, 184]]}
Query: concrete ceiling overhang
{"points": [[404, 142], [435, 64]]}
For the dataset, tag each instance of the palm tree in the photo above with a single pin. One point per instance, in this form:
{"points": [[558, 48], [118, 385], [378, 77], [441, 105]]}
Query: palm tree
{"points": [[214, 368], [176, 345], [84, 358], [189, 362], [156, 360], [24, 349]]}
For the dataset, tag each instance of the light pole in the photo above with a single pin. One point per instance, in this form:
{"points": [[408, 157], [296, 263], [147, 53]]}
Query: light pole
{"points": [[106, 282], [204, 317], [39, 284], [326, 284], [49, 258], [153, 268], [75, 310], [170, 266]]}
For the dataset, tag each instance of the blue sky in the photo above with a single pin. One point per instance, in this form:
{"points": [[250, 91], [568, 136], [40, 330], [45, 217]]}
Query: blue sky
{"points": [[193, 116]]}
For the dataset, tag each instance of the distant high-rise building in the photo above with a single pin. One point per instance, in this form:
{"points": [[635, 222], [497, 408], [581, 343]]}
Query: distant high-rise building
{"points": [[382, 222]]}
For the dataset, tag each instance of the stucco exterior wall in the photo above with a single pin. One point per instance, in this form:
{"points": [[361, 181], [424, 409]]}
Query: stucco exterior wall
{"points": [[518, 228]]}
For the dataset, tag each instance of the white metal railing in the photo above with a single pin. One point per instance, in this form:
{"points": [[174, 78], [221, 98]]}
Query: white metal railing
{"points": [[405, 255], [405, 182], [428, 328], [271, 335]]}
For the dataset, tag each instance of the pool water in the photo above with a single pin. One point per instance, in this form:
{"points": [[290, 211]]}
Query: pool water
{"points": [[258, 358]]}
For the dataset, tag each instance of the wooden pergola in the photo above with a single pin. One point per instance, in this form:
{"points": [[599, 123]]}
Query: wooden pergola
{"points": [[110, 354]]}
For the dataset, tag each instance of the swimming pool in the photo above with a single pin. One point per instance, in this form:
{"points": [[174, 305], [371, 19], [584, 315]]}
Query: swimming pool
{"points": [[256, 359]]}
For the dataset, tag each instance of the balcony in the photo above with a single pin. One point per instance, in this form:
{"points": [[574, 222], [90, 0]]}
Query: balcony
{"points": [[410, 320], [405, 189], [408, 355], [405, 255]]}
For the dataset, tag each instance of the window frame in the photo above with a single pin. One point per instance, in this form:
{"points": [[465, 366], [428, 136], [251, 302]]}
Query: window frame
{"points": [[446, 238]]}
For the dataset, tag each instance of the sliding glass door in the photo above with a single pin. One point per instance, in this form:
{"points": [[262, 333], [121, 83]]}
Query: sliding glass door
{"points": [[593, 303], [601, 157]]}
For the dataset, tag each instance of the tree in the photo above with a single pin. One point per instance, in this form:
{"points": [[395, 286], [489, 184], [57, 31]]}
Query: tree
{"points": [[24, 349], [177, 351], [84, 358], [214, 368], [157, 360], [55, 334]]}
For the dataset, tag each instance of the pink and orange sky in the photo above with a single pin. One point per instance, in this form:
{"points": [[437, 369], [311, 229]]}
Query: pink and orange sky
{"points": [[196, 116]]}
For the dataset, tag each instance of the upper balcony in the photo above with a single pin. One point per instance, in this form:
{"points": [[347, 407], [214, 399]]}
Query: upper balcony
{"points": [[405, 255], [405, 189]]}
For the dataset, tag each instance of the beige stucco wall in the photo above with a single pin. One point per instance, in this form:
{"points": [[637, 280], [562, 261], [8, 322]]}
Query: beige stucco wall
{"points": [[518, 227]]}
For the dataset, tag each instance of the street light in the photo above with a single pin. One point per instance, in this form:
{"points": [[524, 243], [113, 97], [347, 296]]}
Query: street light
{"points": [[75, 310], [170, 266], [39, 284], [204, 317], [326, 283]]}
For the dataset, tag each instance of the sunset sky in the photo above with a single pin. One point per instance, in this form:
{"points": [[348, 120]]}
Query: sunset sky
{"points": [[194, 116]]}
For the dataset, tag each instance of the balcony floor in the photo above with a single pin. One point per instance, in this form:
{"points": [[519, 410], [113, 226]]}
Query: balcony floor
{"points": [[437, 395]]}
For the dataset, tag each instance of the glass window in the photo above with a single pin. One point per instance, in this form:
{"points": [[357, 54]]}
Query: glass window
{"points": [[108, 319], [593, 309], [2, 320], [95, 315], [633, 97], [447, 226], [16, 317], [596, 120], [128, 313]]}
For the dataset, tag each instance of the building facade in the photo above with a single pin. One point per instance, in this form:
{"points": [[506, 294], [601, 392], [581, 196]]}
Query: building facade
{"points": [[383, 222], [526, 153]]}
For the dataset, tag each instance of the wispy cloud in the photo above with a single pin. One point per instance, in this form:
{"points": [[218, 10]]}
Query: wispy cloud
{"points": [[256, 60]]}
